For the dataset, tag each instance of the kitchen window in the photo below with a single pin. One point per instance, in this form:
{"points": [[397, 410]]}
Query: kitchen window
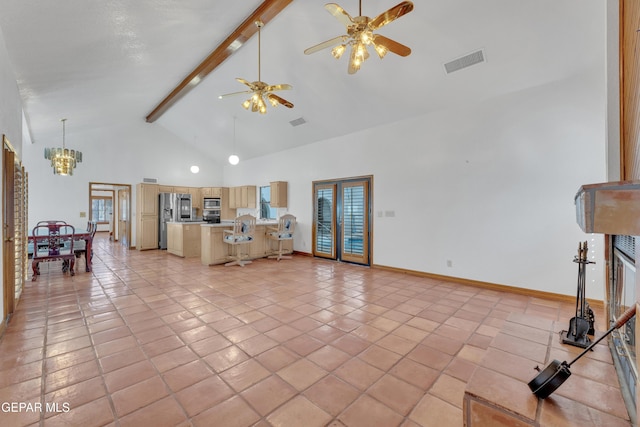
{"points": [[266, 211]]}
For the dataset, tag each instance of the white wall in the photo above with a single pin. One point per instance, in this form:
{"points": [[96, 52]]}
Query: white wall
{"points": [[10, 123], [489, 187], [119, 156]]}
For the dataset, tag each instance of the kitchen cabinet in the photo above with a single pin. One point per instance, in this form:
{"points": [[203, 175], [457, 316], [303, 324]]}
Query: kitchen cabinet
{"points": [[181, 190], [278, 194], [211, 192], [226, 211], [242, 197], [196, 199], [146, 216], [165, 189], [183, 239], [215, 251]]}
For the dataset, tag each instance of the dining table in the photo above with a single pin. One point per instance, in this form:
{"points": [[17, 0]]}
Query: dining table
{"points": [[83, 235]]}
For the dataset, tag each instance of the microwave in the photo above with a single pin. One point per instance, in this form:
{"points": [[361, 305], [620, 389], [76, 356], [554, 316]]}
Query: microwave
{"points": [[211, 203]]}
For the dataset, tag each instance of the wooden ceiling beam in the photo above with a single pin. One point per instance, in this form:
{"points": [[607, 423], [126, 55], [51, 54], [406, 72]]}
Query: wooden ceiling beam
{"points": [[268, 10]]}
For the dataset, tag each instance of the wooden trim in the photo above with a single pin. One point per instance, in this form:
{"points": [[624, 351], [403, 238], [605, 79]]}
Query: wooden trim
{"points": [[268, 10], [492, 286], [629, 89], [3, 326], [303, 253]]}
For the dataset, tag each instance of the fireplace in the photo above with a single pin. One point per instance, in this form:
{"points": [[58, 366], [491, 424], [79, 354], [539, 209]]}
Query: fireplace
{"points": [[613, 208], [622, 294]]}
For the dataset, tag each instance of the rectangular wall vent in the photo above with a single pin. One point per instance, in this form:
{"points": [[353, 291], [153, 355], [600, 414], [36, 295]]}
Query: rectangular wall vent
{"points": [[464, 61], [297, 122], [150, 180]]}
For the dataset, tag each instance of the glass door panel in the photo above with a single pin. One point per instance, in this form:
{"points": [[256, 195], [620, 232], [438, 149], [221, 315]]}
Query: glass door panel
{"points": [[355, 222], [341, 220], [324, 221]]}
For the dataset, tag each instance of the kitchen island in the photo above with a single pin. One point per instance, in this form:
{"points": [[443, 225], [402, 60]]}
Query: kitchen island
{"points": [[215, 251], [183, 238]]}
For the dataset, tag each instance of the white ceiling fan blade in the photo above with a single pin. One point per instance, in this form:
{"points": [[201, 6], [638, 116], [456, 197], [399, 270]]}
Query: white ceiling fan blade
{"points": [[329, 43], [340, 14], [233, 94]]}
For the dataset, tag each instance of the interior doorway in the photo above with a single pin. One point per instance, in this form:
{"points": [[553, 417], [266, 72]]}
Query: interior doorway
{"points": [[342, 219], [110, 208]]}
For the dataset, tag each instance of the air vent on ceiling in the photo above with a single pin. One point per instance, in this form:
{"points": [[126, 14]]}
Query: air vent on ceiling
{"points": [[464, 61], [150, 180], [297, 122]]}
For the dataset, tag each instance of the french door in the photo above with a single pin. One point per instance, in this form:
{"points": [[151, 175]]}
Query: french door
{"points": [[341, 220]]}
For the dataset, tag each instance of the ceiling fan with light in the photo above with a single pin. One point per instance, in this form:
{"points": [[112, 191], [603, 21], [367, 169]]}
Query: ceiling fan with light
{"points": [[360, 35], [261, 91]]}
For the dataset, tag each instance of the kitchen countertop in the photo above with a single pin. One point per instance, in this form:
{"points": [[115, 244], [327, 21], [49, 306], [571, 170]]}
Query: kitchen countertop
{"points": [[229, 223], [186, 222]]}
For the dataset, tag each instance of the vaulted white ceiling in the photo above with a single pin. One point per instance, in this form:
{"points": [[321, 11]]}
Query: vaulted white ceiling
{"points": [[105, 63]]}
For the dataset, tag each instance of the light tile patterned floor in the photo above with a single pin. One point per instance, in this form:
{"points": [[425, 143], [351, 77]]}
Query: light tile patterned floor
{"points": [[150, 339]]}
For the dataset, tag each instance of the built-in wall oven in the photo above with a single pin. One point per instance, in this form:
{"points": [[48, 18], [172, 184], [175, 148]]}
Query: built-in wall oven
{"points": [[211, 209]]}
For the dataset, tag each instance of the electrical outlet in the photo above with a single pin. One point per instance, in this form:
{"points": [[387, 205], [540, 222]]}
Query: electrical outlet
{"points": [[83, 214], [449, 263], [379, 214], [390, 214]]}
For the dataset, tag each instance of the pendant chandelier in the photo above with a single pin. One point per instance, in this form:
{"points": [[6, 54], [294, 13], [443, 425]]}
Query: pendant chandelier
{"points": [[63, 160]]}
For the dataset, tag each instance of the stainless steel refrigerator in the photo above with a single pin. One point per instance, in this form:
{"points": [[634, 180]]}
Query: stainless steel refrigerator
{"points": [[172, 207]]}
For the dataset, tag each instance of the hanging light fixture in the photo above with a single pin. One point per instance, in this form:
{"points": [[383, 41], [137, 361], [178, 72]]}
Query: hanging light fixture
{"points": [[233, 158], [63, 160], [260, 91], [360, 35]]}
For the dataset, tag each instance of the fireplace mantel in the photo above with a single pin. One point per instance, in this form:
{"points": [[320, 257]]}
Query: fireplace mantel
{"points": [[609, 208]]}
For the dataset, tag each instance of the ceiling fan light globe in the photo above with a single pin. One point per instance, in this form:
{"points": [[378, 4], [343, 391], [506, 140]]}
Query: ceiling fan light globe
{"points": [[366, 37], [273, 102], [380, 50], [246, 104], [338, 51]]}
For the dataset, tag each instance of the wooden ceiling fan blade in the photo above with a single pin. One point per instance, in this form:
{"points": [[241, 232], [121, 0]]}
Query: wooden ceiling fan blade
{"points": [[392, 45], [283, 86], [243, 81], [391, 15], [234, 93], [326, 44], [339, 13], [280, 101]]}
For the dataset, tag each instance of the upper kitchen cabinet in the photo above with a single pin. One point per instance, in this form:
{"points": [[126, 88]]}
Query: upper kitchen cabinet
{"points": [[181, 190], [242, 197], [147, 199], [211, 191], [278, 194], [196, 199], [165, 189]]}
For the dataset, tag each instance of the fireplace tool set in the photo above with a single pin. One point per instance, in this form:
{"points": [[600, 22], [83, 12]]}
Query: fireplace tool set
{"points": [[581, 325]]}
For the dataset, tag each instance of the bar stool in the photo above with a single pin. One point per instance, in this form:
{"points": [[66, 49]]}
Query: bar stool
{"points": [[242, 233], [284, 231]]}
